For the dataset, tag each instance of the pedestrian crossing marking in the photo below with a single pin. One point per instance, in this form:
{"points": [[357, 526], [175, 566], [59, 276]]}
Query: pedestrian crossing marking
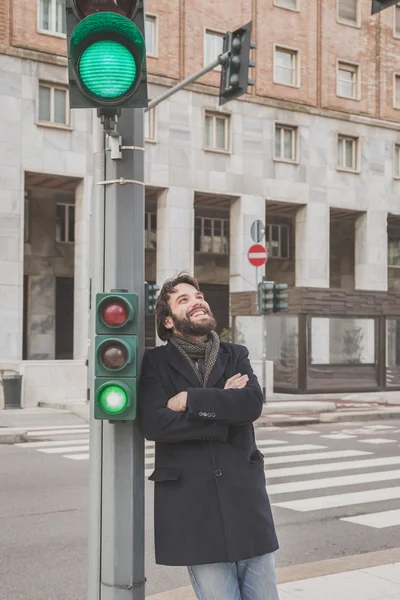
{"points": [[77, 456], [276, 460], [51, 444], [57, 427], [60, 450], [377, 441], [302, 447], [365, 463], [379, 520], [338, 436], [339, 500], [53, 432], [270, 443], [302, 432]]}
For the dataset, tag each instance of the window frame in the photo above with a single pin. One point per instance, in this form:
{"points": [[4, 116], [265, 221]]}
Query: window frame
{"points": [[357, 24], [217, 33], [395, 33], [355, 68], [54, 86], [295, 150], [268, 243], [343, 137], [212, 219], [51, 32], [152, 138], [395, 105], [154, 18], [148, 230], [67, 206], [296, 71], [27, 217], [392, 237], [227, 118], [297, 9], [396, 161]]}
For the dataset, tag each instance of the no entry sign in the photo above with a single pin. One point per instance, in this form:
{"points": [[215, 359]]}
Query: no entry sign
{"points": [[257, 255]]}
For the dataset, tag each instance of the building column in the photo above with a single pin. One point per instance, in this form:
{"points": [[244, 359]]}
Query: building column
{"points": [[371, 270], [312, 246], [244, 211], [81, 268], [175, 233]]}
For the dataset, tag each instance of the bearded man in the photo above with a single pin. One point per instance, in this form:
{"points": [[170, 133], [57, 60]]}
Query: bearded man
{"points": [[198, 398]]}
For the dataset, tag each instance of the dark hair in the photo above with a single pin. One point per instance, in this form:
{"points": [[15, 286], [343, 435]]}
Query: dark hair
{"points": [[163, 309]]}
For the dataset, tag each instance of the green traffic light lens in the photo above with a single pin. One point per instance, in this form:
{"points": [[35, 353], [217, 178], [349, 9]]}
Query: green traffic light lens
{"points": [[113, 399], [107, 69]]}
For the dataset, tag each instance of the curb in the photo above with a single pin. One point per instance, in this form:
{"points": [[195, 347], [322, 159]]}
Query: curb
{"points": [[12, 437], [360, 416]]}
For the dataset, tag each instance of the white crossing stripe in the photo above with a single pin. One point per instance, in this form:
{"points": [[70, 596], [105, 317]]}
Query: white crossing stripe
{"points": [[377, 441], [148, 472], [51, 444], [57, 427], [54, 432], [261, 443], [349, 465], [293, 448], [338, 500], [379, 520], [338, 436], [64, 449], [276, 460], [317, 484], [302, 432], [77, 456], [376, 427]]}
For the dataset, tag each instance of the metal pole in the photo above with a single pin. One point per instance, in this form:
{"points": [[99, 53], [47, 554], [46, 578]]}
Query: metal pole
{"points": [[122, 518], [220, 60], [264, 357]]}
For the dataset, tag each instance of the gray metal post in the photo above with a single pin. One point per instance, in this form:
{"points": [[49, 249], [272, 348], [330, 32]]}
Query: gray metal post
{"points": [[264, 357], [122, 518]]}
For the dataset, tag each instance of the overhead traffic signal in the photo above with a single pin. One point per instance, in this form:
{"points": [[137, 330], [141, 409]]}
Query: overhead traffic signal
{"points": [[106, 53], [150, 297], [235, 72], [378, 5], [280, 297], [115, 363], [265, 297]]}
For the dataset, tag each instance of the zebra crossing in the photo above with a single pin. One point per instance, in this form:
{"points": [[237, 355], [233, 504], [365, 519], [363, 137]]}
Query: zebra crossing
{"points": [[353, 469]]}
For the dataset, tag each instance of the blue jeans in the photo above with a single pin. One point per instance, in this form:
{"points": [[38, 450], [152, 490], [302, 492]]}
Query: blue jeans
{"points": [[251, 579]]}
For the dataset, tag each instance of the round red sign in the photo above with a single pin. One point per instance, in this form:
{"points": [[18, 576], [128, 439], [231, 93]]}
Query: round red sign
{"points": [[257, 255]]}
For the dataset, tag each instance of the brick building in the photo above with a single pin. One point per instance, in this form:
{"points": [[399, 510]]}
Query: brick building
{"points": [[313, 151]]}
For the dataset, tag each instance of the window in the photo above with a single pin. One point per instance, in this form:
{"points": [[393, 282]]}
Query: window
{"points": [[151, 35], [65, 222], [394, 251], [347, 80], [347, 11], [27, 213], [286, 66], [150, 125], [213, 47], [347, 153], [397, 160], [291, 4], [53, 104], [396, 99], [150, 230], [285, 142], [397, 20], [277, 241], [217, 131], [211, 235], [52, 16]]}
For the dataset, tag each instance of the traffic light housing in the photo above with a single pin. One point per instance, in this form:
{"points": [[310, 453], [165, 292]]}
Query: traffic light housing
{"points": [[265, 297], [235, 72], [150, 297], [280, 297], [106, 53], [378, 5], [115, 362]]}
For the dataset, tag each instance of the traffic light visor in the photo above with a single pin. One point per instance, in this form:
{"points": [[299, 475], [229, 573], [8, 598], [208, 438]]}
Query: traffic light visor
{"points": [[108, 52], [88, 7], [113, 398]]}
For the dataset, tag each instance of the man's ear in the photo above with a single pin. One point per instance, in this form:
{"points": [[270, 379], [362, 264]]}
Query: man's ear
{"points": [[168, 323]]}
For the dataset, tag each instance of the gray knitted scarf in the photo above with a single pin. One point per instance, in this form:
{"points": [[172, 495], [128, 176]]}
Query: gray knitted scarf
{"points": [[195, 351]]}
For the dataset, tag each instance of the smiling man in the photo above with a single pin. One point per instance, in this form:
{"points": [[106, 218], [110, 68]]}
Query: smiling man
{"points": [[198, 399]]}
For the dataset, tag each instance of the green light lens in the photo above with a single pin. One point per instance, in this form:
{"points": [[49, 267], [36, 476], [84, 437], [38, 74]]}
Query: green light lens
{"points": [[107, 69], [113, 399]]}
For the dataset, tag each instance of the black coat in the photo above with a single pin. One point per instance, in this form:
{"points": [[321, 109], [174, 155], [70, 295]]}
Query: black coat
{"points": [[211, 503]]}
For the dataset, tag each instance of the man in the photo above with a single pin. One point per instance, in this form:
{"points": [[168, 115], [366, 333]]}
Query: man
{"points": [[198, 398]]}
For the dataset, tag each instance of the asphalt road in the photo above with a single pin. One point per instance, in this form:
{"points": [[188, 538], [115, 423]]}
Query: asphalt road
{"points": [[315, 482]]}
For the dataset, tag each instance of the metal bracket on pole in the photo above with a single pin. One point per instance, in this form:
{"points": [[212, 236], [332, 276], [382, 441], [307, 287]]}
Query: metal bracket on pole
{"points": [[121, 181], [109, 119]]}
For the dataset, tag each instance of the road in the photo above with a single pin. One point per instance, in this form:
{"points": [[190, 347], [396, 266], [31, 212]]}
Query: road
{"points": [[334, 491]]}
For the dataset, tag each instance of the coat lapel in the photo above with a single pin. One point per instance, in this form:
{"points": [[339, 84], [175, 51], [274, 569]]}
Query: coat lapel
{"points": [[179, 363]]}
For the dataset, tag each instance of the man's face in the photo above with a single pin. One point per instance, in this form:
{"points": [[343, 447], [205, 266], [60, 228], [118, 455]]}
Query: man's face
{"points": [[191, 315]]}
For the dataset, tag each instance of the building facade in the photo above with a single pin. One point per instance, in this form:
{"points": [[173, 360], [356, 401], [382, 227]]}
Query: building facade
{"points": [[313, 151]]}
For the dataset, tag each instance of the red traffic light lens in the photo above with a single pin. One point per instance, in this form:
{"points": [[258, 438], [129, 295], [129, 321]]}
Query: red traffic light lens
{"points": [[122, 7], [113, 355], [114, 313]]}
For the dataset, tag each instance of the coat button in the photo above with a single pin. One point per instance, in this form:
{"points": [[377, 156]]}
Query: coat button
{"points": [[213, 415], [218, 473]]}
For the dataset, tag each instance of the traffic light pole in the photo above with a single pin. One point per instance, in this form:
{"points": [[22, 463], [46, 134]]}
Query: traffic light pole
{"points": [[120, 448]]}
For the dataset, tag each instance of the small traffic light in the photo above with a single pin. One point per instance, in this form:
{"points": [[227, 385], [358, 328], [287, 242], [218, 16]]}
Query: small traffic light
{"points": [[378, 5], [106, 53], [235, 72], [279, 297], [265, 297], [115, 364], [150, 297]]}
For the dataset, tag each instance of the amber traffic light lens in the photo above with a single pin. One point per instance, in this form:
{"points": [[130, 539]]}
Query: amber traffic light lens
{"points": [[88, 7], [114, 314], [113, 355]]}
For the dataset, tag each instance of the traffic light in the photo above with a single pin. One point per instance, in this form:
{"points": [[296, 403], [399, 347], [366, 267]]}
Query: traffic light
{"points": [[265, 297], [279, 297], [106, 53], [115, 363], [378, 5], [235, 72], [150, 297]]}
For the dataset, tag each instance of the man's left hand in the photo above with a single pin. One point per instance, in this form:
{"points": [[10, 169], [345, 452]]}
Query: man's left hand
{"points": [[178, 402]]}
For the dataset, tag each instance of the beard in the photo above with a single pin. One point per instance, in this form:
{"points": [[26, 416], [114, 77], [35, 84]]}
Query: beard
{"points": [[188, 328]]}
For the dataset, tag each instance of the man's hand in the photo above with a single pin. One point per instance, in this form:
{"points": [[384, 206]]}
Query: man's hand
{"points": [[237, 382], [178, 402]]}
